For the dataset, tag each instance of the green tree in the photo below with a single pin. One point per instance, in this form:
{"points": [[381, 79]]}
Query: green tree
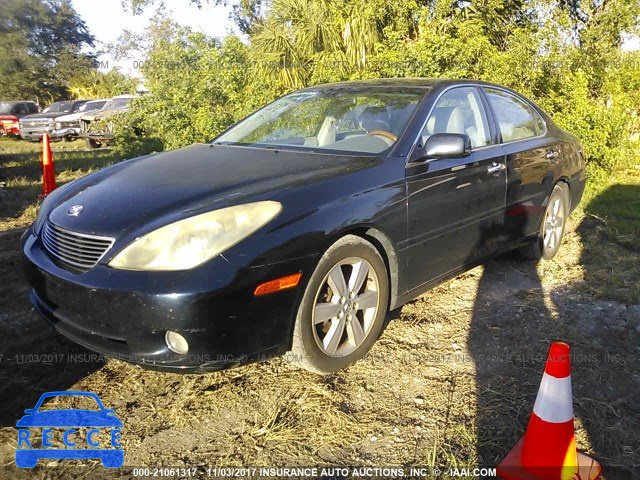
{"points": [[42, 48], [197, 85], [97, 84], [563, 54]]}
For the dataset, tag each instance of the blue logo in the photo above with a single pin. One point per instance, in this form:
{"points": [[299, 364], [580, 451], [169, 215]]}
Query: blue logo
{"points": [[70, 419]]}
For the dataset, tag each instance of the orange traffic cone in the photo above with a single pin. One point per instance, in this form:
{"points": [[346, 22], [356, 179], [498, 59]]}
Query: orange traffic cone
{"points": [[548, 449], [48, 171]]}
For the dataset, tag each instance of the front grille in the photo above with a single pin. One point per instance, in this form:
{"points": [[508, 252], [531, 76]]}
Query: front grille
{"points": [[36, 123], [76, 250]]}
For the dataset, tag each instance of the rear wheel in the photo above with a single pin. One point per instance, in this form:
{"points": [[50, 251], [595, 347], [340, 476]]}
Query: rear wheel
{"points": [[547, 244], [343, 307]]}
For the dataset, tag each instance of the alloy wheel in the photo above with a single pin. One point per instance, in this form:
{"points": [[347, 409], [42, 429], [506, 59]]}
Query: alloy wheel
{"points": [[345, 307], [553, 224]]}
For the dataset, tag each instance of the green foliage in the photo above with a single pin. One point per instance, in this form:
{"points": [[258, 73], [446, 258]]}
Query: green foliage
{"points": [[565, 55], [42, 45], [198, 85], [96, 84]]}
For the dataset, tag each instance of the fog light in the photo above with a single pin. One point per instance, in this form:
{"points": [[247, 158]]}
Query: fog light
{"points": [[176, 342]]}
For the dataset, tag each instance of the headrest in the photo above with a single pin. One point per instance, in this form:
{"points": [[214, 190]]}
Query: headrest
{"points": [[456, 121], [374, 118]]}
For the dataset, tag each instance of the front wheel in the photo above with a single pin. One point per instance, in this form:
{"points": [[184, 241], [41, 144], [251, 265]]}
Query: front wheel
{"points": [[547, 244], [343, 307], [91, 144]]}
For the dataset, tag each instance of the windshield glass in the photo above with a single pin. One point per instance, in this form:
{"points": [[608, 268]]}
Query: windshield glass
{"points": [[59, 107], [87, 107], [352, 119], [116, 103], [6, 107]]}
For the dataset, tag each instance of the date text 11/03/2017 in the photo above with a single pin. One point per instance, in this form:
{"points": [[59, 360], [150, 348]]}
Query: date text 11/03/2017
{"points": [[312, 472]]}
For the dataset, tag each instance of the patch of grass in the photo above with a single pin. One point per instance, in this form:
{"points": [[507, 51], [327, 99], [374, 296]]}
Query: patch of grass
{"points": [[21, 175], [609, 232], [450, 383]]}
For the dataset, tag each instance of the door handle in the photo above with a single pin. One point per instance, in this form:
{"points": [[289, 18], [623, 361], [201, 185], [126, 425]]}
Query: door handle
{"points": [[496, 168], [552, 155]]}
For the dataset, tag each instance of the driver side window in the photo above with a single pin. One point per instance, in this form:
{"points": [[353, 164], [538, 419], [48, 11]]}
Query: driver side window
{"points": [[20, 109], [460, 111]]}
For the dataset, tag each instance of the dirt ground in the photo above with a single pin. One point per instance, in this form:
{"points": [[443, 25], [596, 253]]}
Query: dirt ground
{"points": [[450, 383]]}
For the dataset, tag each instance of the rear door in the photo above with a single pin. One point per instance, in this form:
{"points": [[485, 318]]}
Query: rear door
{"points": [[455, 206], [533, 162]]}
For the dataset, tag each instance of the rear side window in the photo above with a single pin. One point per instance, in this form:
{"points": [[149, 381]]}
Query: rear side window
{"points": [[516, 118], [539, 123], [33, 108], [20, 109]]}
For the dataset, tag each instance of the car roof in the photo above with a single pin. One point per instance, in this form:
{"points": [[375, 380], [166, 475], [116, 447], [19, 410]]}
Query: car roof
{"points": [[417, 83], [425, 83]]}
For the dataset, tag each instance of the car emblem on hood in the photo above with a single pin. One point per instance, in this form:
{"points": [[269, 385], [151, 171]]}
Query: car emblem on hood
{"points": [[75, 210]]}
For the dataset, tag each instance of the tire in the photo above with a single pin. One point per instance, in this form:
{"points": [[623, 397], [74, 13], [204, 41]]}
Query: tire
{"points": [[554, 222], [355, 327], [92, 143]]}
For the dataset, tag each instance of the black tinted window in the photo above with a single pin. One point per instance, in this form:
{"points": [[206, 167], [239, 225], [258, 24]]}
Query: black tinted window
{"points": [[20, 109], [33, 108], [515, 117]]}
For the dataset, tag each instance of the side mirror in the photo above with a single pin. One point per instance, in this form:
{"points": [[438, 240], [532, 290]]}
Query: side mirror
{"points": [[444, 145]]}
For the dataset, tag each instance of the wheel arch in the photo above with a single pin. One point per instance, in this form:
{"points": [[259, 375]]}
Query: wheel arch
{"points": [[563, 180], [383, 244]]}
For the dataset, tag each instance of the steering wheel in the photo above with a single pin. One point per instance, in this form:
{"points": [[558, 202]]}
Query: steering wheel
{"points": [[383, 133]]}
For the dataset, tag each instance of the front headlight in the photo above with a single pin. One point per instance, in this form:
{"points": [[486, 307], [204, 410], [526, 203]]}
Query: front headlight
{"points": [[190, 242]]}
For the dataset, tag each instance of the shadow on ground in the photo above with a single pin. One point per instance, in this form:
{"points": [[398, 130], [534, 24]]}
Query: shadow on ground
{"points": [[33, 358], [514, 320]]}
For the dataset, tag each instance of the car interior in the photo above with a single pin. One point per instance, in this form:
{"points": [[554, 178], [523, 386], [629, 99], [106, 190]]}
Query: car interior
{"points": [[459, 111], [365, 128]]}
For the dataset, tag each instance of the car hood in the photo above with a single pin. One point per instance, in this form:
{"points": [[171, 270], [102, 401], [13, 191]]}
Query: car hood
{"points": [[98, 114], [8, 117], [69, 418], [35, 116], [165, 187], [70, 117]]}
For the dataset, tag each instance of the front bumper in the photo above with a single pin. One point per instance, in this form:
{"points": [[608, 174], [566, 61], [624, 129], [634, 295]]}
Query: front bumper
{"points": [[7, 129], [34, 133], [125, 314], [65, 133], [98, 136]]}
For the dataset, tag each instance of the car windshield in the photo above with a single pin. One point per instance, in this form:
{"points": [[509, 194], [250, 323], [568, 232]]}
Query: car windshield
{"points": [[350, 119], [6, 107], [59, 107], [64, 401], [87, 107], [116, 103]]}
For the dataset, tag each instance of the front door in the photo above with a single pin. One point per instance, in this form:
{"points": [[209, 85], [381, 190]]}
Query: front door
{"points": [[455, 206]]}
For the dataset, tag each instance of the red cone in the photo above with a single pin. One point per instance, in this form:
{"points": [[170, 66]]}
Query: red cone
{"points": [[48, 171], [548, 449]]}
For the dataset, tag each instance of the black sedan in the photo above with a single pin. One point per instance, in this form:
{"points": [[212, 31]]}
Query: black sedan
{"points": [[301, 226]]}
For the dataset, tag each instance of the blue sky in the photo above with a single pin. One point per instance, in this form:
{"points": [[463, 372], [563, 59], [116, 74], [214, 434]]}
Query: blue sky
{"points": [[107, 20]]}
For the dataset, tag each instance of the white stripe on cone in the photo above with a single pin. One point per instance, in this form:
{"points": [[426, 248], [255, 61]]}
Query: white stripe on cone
{"points": [[554, 403]]}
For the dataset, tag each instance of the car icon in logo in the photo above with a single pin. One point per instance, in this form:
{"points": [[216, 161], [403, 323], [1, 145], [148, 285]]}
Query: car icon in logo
{"points": [[69, 419], [75, 210]]}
